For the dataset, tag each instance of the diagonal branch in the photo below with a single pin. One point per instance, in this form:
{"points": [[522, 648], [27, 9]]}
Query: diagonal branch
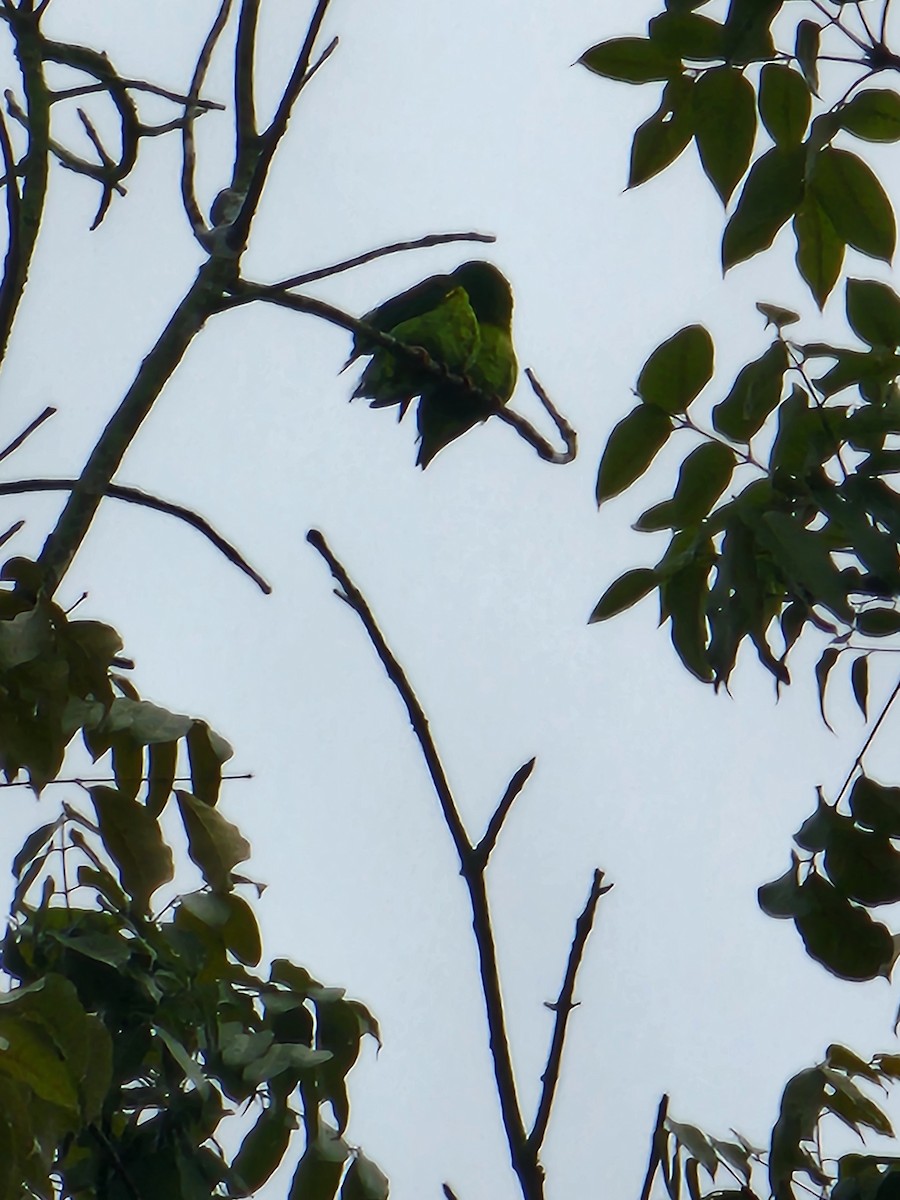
{"points": [[26, 432], [657, 1147], [501, 812], [131, 495], [563, 1009], [431, 239]]}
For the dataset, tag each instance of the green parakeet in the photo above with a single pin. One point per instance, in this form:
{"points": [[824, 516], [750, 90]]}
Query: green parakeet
{"points": [[462, 320]]}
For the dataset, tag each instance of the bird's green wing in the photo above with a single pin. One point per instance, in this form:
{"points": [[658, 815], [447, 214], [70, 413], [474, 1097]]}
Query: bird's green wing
{"points": [[446, 412], [448, 334], [412, 303]]}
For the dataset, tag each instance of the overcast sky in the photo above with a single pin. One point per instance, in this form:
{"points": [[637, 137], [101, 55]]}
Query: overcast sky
{"points": [[482, 570]]}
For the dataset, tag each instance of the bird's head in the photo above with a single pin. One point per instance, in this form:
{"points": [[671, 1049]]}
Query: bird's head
{"points": [[489, 292]]}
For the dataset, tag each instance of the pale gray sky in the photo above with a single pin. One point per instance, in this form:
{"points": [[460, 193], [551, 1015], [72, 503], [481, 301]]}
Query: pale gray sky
{"points": [[482, 570]]}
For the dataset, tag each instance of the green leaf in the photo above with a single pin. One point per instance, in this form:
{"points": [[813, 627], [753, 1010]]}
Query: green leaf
{"points": [[806, 51], [321, 1167], [364, 1181], [873, 311], [662, 137], [241, 931], [875, 805], [863, 865], [859, 681], [704, 476], [782, 897], [855, 202], [134, 842], [264, 1147], [784, 103], [632, 446], [748, 35], [841, 936], [631, 60], [214, 844], [878, 622], [33, 844], [696, 1143], [816, 831], [205, 757], [854, 1107], [873, 115], [162, 758], [769, 198], [725, 124], [687, 35], [145, 722], [625, 591], [677, 370], [804, 557], [754, 394], [801, 1104], [820, 252], [30, 1056], [128, 765], [823, 670], [685, 595]]}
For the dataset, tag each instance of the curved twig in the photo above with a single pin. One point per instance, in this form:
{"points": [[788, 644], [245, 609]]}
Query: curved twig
{"points": [[133, 495], [11, 263], [527, 431], [431, 239]]}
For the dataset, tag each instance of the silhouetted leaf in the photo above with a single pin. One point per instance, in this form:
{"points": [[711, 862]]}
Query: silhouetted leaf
{"points": [[876, 805], [214, 844], [842, 936], [687, 35], [784, 103], [630, 60], [873, 311], [820, 252], [873, 115], [725, 125], [855, 202], [806, 51], [664, 135], [703, 477], [859, 681], [677, 370], [754, 394], [770, 196], [628, 589], [264, 1146], [630, 449], [134, 842]]}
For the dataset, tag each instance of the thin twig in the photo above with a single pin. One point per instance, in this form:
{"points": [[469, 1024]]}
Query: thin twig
{"points": [[27, 432], [11, 532], [138, 85], [133, 495], [527, 431], [422, 243], [563, 1008], [266, 144], [657, 1146], [188, 149], [495, 824], [857, 762], [524, 1156], [85, 781]]}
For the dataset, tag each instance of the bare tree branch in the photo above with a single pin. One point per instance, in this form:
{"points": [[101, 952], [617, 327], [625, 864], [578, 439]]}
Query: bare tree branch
{"points": [[513, 788], [527, 431], [26, 432], [11, 532], [188, 148], [431, 239], [563, 1009], [657, 1147], [523, 1155], [11, 263], [132, 495]]}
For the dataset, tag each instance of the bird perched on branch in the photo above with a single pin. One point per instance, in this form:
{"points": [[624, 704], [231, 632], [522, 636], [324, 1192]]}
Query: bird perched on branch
{"points": [[462, 323]]}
